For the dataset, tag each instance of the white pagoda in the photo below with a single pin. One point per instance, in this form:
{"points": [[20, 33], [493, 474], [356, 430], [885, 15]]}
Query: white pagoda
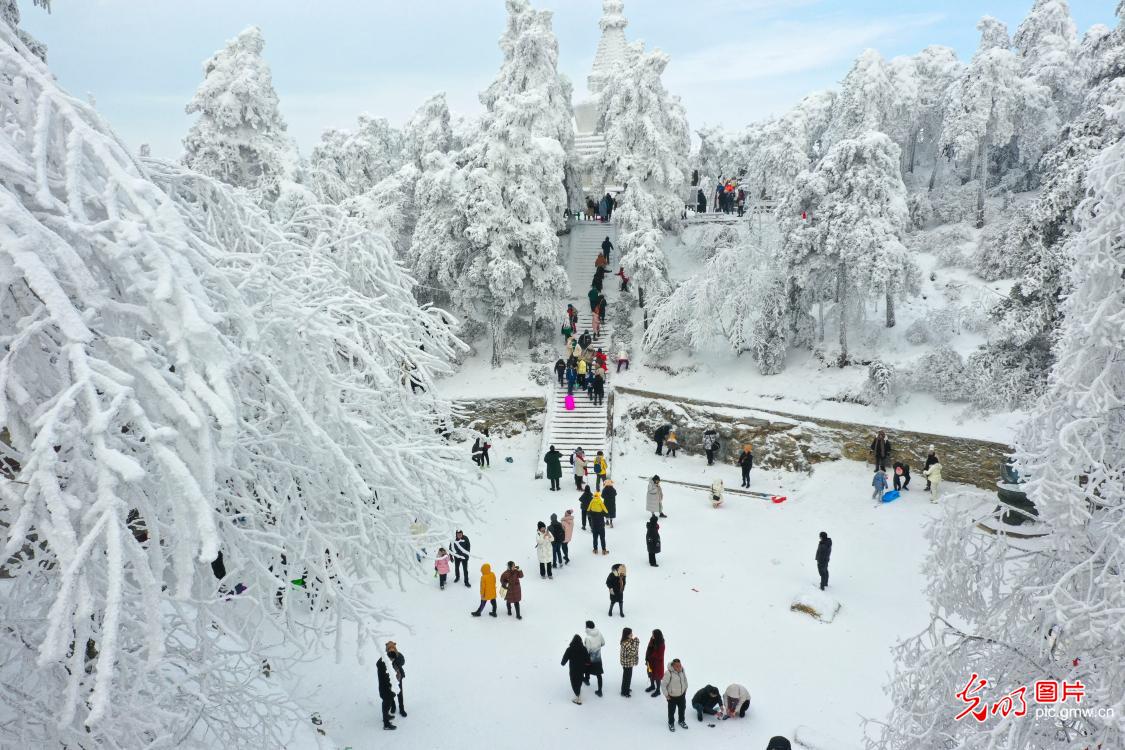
{"points": [[613, 52]]}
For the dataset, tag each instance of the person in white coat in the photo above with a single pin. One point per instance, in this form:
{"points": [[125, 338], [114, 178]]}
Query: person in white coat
{"points": [[933, 476], [736, 700], [594, 641], [654, 498], [717, 493], [543, 541]]}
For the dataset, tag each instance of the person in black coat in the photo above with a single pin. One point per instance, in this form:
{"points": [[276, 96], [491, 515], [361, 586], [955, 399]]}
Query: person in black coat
{"points": [[615, 582], [746, 463], [901, 475], [585, 340], [881, 447], [597, 390], [607, 246], [560, 372], [599, 278], [823, 553], [701, 202], [386, 692], [660, 436], [558, 533], [609, 497], [575, 657], [584, 503], [931, 459], [779, 743], [652, 539], [460, 547], [398, 664], [707, 700]]}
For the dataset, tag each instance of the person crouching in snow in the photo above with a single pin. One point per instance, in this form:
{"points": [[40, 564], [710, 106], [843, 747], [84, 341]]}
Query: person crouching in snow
{"points": [[879, 482], [901, 475], [487, 590], [575, 656], [513, 590], [543, 540], [441, 567], [933, 476], [596, 515], [615, 582], [737, 699], [716, 493], [707, 700]]}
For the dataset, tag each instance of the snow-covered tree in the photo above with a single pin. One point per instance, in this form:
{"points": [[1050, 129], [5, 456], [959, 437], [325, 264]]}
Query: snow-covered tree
{"points": [[866, 101], [776, 151], [199, 408], [1013, 614], [842, 225], [10, 14], [769, 339], [1047, 43], [240, 136], [993, 103], [923, 82], [427, 130], [346, 164]]}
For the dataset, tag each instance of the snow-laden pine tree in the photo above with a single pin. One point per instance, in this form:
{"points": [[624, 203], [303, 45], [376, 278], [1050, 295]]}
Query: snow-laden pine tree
{"points": [[240, 136], [993, 103], [923, 81], [866, 101], [10, 14], [428, 130], [349, 163], [1047, 43], [199, 408], [1013, 611], [777, 151], [842, 227]]}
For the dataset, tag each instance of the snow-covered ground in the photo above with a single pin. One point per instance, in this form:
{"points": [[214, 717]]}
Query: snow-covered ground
{"points": [[721, 596]]}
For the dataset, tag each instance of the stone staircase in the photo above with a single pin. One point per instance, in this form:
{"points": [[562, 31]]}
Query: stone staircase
{"points": [[587, 425]]}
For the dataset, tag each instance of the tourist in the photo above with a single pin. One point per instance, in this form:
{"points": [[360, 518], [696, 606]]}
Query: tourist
{"points": [[746, 463], [931, 459], [487, 590], [594, 641], [654, 662], [575, 656], [571, 378], [596, 514], [581, 373], [441, 567], [568, 534], [477, 452], [879, 483], [609, 497], [881, 448], [600, 469], [660, 436], [553, 459], [823, 553], [652, 539], [386, 691], [707, 700], [584, 503], [596, 323], [737, 700], [622, 359], [675, 687], [701, 202], [543, 540], [933, 476], [460, 547], [607, 246], [624, 279], [901, 475], [513, 590], [630, 652], [597, 387], [398, 663], [557, 534], [560, 371], [672, 443], [710, 444], [579, 462], [593, 295], [615, 582], [486, 446], [654, 497]]}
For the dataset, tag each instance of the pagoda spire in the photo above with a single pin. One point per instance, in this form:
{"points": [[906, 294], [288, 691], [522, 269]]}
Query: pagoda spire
{"points": [[613, 50]]}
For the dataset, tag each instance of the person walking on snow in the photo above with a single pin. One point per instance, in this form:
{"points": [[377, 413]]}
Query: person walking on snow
{"points": [[700, 202], [652, 539], [594, 641], [675, 687], [707, 700], [600, 469], [441, 567], [513, 590], [717, 493], [609, 497], [560, 371], [624, 279], [710, 444], [584, 504], [630, 653], [398, 664], [460, 547], [543, 540], [579, 462], [553, 459], [746, 463], [654, 662], [581, 373], [931, 459], [879, 482], [596, 323], [660, 436], [575, 656], [571, 379], [599, 388], [881, 447], [654, 497], [615, 582], [487, 590], [555, 528], [596, 514], [592, 296], [383, 670], [607, 247], [568, 534], [933, 476], [672, 443], [823, 553], [737, 700]]}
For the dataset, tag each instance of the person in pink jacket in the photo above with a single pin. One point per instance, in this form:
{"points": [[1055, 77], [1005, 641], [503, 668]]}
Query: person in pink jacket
{"points": [[568, 532], [441, 565]]}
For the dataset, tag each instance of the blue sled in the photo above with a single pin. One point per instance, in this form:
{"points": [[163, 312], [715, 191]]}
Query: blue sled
{"points": [[891, 496]]}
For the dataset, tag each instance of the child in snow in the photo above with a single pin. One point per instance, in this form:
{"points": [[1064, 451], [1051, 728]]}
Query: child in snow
{"points": [[441, 566], [933, 476], [879, 482], [672, 443], [716, 493]]}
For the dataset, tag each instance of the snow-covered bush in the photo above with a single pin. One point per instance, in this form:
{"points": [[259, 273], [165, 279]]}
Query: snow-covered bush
{"points": [[920, 209], [882, 384], [918, 332], [940, 372], [1002, 252], [951, 244]]}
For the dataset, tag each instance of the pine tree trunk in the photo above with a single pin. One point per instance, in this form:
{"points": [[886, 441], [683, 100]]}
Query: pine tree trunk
{"points": [[982, 159], [841, 297], [934, 172], [497, 326], [890, 308], [913, 151], [532, 322], [820, 319], [641, 297]]}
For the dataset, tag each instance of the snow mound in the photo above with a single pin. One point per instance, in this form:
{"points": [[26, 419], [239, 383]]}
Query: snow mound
{"points": [[817, 604], [813, 739]]}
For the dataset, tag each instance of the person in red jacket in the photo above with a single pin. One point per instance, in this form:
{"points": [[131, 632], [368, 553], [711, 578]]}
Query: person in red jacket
{"points": [[654, 662], [624, 279]]}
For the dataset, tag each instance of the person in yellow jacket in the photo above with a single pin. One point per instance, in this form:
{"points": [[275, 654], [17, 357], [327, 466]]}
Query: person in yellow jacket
{"points": [[672, 443], [601, 468], [596, 514], [487, 590], [581, 373]]}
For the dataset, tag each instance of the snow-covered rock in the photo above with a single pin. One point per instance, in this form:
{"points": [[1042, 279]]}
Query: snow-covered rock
{"points": [[819, 606]]}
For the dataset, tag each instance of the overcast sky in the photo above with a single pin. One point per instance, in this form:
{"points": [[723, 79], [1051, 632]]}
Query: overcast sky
{"points": [[733, 61]]}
